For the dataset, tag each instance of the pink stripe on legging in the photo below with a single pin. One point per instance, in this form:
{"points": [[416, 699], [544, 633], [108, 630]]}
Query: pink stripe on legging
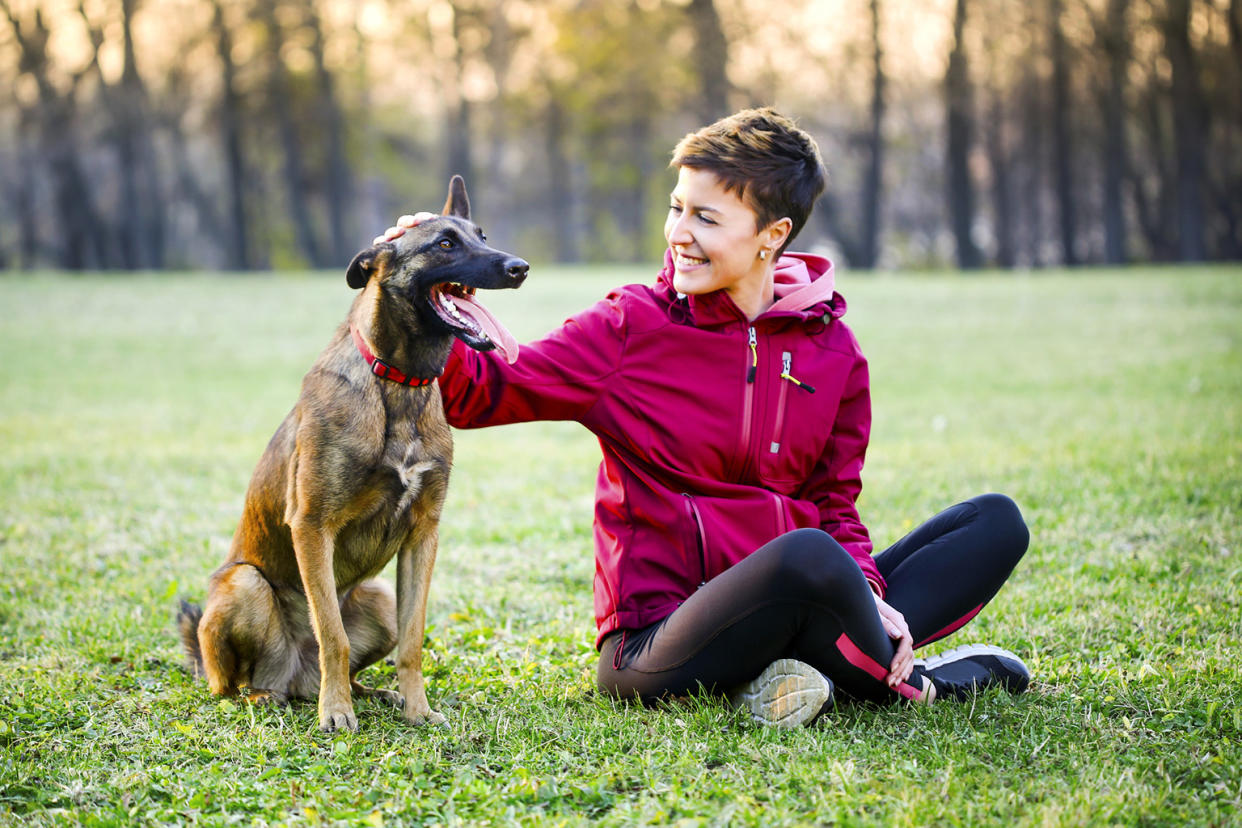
{"points": [[870, 666], [956, 625]]}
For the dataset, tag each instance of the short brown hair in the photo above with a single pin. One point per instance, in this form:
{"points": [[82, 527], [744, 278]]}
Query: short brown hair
{"points": [[772, 165]]}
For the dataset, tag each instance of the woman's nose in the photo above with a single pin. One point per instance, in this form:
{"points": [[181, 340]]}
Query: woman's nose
{"points": [[677, 231]]}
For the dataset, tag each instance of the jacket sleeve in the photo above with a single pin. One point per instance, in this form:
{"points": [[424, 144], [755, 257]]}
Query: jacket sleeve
{"points": [[559, 377], [835, 484]]}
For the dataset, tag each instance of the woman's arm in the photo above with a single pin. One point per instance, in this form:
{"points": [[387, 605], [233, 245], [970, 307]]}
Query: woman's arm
{"points": [[559, 377]]}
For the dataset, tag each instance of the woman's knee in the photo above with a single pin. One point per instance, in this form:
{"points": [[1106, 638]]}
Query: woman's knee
{"points": [[1004, 522], [811, 563]]}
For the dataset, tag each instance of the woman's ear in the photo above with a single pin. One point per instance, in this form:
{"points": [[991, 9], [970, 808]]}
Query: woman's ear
{"points": [[776, 234]]}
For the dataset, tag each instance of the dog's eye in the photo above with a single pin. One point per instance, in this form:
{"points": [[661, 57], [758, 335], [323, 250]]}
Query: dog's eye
{"points": [[482, 236], [446, 244]]}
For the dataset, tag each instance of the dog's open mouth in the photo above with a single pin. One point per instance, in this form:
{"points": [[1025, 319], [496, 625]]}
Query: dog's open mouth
{"points": [[473, 323]]}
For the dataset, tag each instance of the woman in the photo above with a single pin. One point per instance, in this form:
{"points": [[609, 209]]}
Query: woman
{"points": [[732, 407]]}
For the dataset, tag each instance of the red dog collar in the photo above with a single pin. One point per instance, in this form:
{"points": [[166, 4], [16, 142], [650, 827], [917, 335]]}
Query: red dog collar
{"points": [[383, 369]]}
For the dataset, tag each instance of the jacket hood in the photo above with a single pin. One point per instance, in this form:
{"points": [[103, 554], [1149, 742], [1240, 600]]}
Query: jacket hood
{"points": [[805, 289]]}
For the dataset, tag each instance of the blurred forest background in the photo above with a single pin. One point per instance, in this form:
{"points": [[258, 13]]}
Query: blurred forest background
{"points": [[254, 134]]}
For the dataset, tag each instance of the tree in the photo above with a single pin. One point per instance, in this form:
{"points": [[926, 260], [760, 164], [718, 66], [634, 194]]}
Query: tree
{"points": [[959, 119], [1113, 33], [1190, 119], [873, 186], [1063, 151], [711, 58]]}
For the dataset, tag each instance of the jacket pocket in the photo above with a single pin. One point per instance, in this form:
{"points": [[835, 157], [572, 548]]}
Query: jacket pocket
{"points": [[700, 535]]}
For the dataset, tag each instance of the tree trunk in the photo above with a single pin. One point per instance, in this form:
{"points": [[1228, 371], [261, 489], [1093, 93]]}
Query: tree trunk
{"points": [[711, 58], [237, 235], [459, 152], [279, 96], [874, 184], [998, 160], [1235, 35], [23, 197], [330, 122], [1061, 142], [1190, 119], [143, 193], [1116, 44], [960, 122]]}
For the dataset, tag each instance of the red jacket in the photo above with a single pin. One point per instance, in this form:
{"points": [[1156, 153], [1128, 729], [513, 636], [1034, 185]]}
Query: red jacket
{"points": [[713, 441]]}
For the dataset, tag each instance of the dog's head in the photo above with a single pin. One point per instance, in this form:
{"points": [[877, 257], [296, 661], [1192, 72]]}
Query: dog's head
{"points": [[436, 268]]}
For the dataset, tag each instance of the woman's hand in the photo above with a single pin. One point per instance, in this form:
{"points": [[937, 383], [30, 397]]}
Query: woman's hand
{"points": [[404, 223], [895, 625]]}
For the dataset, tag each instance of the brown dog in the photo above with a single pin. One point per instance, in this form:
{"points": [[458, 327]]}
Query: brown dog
{"points": [[355, 474]]}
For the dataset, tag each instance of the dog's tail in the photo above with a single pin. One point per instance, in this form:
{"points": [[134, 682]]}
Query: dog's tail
{"points": [[187, 624]]}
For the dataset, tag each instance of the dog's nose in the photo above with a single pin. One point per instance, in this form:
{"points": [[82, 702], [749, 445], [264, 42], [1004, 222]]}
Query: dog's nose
{"points": [[516, 270]]}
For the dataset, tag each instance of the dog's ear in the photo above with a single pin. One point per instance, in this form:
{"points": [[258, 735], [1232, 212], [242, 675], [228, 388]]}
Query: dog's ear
{"points": [[458, 204], [367, 262]]}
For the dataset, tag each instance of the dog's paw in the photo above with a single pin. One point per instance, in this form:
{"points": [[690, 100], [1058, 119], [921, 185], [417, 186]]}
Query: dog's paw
{"points": [[330, 720], [426, 717], [389, 697]]}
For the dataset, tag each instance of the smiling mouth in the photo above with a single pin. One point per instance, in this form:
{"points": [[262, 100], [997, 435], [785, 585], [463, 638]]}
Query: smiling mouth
{"points": [[682, 260]]}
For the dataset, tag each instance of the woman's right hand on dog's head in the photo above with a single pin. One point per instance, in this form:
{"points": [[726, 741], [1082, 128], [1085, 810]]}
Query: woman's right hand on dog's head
{"points": [[404, 223]]}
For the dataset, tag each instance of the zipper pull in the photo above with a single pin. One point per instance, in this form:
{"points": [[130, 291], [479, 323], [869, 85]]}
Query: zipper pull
{"points": [[754, 355], [786, 367]]}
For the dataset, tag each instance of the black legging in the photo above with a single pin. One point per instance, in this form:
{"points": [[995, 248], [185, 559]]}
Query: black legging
{"points": [[802, 596]]}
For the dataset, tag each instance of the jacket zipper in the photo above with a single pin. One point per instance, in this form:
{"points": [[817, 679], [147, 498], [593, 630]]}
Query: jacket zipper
{"points": [[786, 366], [699, 536], [748, 400]]}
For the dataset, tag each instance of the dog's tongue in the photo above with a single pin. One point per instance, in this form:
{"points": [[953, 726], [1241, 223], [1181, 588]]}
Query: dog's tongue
{"points": [[496, 332]]}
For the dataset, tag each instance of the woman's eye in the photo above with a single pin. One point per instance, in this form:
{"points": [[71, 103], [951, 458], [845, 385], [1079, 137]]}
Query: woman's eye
{"points": [[705, 219], [673, 208], [446, 244]]}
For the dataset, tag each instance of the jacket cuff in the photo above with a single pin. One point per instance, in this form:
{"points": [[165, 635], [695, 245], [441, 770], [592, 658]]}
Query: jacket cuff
{"points": [[876, 587]]}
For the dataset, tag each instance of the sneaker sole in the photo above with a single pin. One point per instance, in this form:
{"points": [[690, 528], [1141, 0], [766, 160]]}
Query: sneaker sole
{"points": [[788, 693], [966, 651]]}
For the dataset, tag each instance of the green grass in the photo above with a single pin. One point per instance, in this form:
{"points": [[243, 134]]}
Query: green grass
{"points": [[1108, 404]]}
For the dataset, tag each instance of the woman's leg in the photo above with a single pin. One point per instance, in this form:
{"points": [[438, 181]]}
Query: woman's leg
{"points": [[800, 596], [945, 571]]}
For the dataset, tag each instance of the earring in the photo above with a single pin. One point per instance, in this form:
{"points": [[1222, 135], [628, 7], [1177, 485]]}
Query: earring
{"points": [[763, 255]]}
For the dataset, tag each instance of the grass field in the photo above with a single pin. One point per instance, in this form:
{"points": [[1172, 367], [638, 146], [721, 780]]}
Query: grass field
{"points": [[1108, 404]]}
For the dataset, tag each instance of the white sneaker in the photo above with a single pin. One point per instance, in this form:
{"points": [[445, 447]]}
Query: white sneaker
{"points": [[788, 693]]}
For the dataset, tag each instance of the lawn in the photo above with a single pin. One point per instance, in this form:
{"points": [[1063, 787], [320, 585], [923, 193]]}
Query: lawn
{"points": [[1107, 403]]}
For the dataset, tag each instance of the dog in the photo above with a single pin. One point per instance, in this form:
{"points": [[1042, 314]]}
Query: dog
{"points": [[356, 474]]}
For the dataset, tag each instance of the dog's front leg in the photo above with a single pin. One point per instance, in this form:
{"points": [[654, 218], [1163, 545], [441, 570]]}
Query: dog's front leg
{"points": [[414, 567], [313, 546]]}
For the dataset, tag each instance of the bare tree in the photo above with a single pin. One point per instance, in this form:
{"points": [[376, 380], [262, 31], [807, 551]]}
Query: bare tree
{"points": [[1190, 119], [229, 115], [873, 186], [329, 121], [959, 118], [711, 58], [279, 101], [1062, 148], [1113, 32], [84, 235]]}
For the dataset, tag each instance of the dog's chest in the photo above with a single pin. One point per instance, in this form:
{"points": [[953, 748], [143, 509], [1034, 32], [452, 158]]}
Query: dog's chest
{"points": [[406, 492], [419, 480]]}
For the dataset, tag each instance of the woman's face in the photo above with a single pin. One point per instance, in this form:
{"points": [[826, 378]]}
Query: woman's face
{"points": [[714, 242]]}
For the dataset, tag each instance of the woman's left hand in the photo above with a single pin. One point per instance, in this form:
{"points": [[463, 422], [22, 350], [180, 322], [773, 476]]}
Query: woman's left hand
{"points": [[895, 625]]}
